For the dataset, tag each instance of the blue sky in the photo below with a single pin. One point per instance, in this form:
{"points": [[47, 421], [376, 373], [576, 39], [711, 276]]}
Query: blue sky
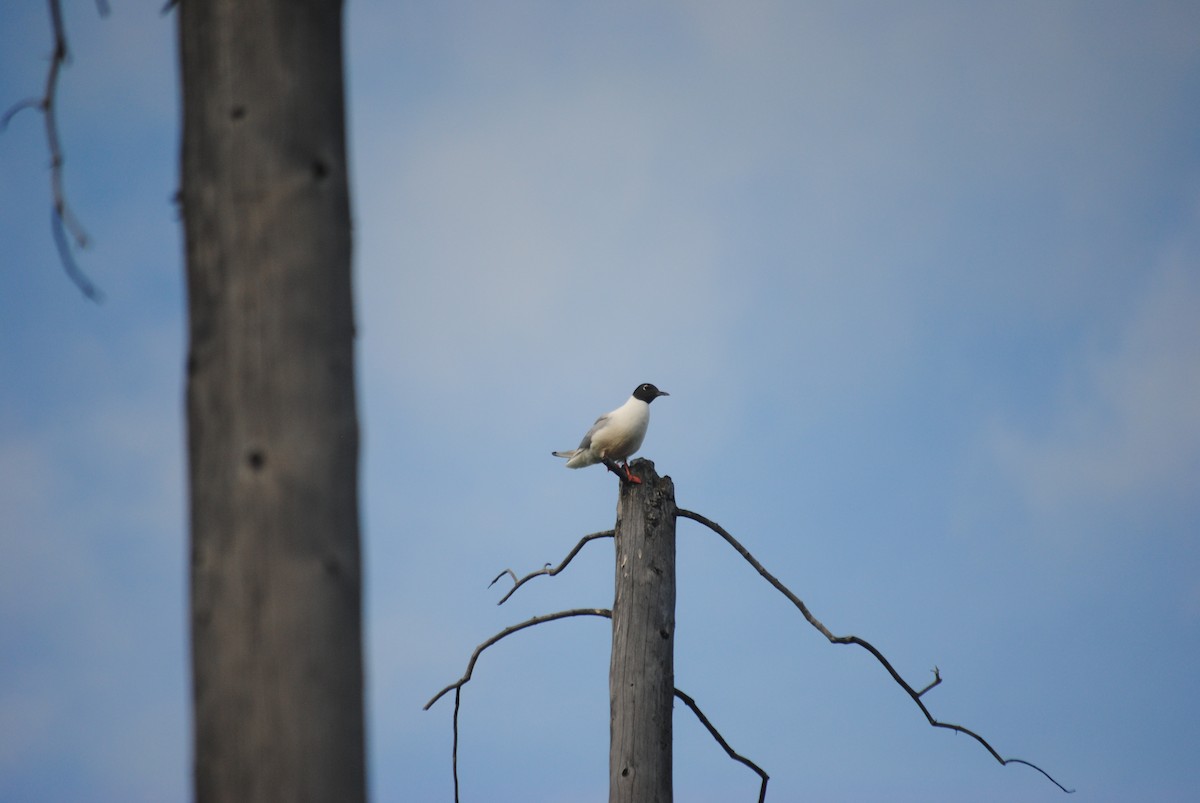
{"points": [[923, 281]]}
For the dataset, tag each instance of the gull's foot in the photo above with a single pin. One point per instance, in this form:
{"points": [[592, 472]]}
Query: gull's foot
{"points": [[622, 471]]}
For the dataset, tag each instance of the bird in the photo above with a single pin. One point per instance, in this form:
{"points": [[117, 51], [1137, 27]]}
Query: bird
{"points": [[616, 435]]}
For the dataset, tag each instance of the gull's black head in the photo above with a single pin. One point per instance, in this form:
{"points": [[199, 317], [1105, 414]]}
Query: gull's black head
{"points": [[648, 393]]}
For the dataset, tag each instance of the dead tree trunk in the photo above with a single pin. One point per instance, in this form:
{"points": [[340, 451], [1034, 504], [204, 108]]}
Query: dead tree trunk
{"points": [[641, 678], [272, 429]]}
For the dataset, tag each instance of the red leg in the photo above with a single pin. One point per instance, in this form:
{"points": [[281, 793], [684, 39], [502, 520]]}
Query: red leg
{"points": [[621, 470]]}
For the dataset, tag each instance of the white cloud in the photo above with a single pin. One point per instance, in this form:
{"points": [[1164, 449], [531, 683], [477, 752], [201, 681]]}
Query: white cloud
{"points": [[534, 242], [1125, 431]]}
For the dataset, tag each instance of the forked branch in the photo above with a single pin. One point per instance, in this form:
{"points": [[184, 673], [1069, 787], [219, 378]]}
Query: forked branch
{"points": [[547, 570], [866, 645]]}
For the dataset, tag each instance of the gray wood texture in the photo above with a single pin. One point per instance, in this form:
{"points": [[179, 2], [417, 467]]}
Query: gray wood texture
{"points": [[642, 673], [272, 425]]}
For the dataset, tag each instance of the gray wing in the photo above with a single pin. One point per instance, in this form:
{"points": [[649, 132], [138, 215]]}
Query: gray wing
{"points": [[586, 443]]}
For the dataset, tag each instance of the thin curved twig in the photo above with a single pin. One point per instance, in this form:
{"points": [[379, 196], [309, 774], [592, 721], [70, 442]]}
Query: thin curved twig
{"points": [[547, 570], [508, 631], [866, 645], [64, 225], [690, 703], [57, 227], [19, 106], [58, 59]]}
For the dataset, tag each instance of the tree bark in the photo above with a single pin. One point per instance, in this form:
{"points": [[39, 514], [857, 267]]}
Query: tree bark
{"points": [[642, 672], [272, 426]]}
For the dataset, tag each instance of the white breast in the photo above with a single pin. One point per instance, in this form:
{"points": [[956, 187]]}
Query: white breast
{"points": [[624, 431]]}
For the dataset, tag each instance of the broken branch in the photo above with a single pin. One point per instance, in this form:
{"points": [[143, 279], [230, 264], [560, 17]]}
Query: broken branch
{"points": [[690, 703], [937, 678]]}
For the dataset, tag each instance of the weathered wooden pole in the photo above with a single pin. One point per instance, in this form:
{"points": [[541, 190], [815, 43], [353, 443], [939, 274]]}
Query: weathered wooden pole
{"points": [[641, 678], [276, 586]]}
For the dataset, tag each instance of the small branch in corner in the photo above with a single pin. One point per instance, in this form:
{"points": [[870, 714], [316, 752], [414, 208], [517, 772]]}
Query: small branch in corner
{"points": [[64, 226]]}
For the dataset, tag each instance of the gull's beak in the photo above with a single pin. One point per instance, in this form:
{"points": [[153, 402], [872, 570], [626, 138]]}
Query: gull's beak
{"points": [[663, 393]]}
